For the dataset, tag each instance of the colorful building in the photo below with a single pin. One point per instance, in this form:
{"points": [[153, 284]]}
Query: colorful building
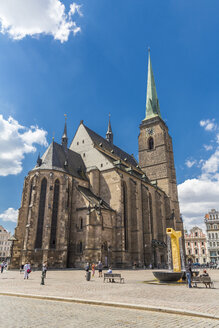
{"points": [[196, 246], [212, 228]]}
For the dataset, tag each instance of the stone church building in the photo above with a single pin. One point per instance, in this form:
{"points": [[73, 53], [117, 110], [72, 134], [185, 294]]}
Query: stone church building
{"points": [[92, 201]]}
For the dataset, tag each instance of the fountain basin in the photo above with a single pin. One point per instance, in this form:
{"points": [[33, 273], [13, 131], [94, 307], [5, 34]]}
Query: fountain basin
{"points": [[168, 276]]}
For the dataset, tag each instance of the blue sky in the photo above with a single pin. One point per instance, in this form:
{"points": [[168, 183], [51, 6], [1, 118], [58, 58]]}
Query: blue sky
{"points": [[90, 59]]}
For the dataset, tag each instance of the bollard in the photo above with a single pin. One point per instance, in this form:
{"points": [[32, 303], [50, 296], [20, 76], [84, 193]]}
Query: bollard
{"points": [[42, 278]]}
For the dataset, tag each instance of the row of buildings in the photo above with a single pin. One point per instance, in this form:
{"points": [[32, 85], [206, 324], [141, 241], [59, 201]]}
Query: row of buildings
{"points": [[5, 244], [204, 248]]}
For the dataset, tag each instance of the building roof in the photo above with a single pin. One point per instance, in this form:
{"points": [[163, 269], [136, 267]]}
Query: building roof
{"points": [[111, 148], [93, 199], [56, 157]]}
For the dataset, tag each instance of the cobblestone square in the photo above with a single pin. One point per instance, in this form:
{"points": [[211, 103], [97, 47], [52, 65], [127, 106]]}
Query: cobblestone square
{"points": [[72, 285]]}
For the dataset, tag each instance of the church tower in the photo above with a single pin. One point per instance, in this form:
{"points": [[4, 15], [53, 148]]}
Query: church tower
{"points": [[156, 150]]}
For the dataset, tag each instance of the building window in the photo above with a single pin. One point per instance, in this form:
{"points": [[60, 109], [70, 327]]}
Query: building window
{"points": [[31, 190], [54, 215], [80, 247], [203, 251], [83, 154], [101, 165], [188, 243], [196, 234], [214, 244], [151, 143], [82, 141], [210, 244], [81, 223], [77, 143], [189, 252], [212, 236], [204, 260], [216, 236], [196, 251], [38, 242], [215, 226], [195, 243], [202, 243], [209, 236]]}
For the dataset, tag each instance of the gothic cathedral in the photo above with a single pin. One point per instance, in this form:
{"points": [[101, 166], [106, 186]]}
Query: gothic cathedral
{"points": [[92, 201]]}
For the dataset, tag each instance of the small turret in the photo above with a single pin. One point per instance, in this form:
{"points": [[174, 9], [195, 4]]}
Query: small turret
{"points": [[109, 134], [64, 136], [39, 161]]}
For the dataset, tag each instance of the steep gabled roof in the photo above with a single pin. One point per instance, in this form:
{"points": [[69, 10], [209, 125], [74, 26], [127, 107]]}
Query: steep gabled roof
{"points": [[109, 147], [58, 158], [93, 199]]}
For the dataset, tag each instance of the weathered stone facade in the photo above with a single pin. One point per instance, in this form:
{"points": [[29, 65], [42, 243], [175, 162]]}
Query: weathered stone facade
{"points": [[93, 201]]}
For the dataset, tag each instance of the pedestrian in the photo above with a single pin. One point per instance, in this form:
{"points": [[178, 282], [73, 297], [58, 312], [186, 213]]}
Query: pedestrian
{"points": [[44, 269], [189, 274], [27, 270], [100, 268], [2, 267], [93, 269]]}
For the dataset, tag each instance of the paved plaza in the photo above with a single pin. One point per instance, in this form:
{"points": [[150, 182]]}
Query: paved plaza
{"points": [[22, 313], [72, 285]]}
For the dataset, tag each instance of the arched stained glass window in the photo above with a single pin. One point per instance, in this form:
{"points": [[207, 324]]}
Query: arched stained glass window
{"points": [[38, 242], [54, 214]]}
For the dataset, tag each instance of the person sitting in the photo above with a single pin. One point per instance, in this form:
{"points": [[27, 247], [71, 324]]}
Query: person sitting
{"points": [[110, 271], [205, 274]]}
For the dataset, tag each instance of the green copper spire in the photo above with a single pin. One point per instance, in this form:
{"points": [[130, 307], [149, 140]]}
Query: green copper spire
{"points": [[152, 103]]}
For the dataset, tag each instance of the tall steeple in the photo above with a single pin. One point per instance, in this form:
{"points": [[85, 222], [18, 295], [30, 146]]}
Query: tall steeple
{"points": [[109, 134], [64, 136], [152, 103]]}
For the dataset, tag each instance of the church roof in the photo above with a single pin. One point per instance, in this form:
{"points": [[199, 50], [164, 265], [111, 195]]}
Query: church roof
{"points": [[58, 158], [93, 199], [111, 148]]}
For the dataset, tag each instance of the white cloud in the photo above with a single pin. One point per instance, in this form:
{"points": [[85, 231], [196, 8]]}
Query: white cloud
{"points": [[24, 18], [208, 147], [16, 141], [199, 195], [208, 125], [9, 215], [190, 163]]}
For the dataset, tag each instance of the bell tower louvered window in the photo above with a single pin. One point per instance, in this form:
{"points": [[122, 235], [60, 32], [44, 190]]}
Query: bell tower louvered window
{"points": [[38, 243], [54, 215]]}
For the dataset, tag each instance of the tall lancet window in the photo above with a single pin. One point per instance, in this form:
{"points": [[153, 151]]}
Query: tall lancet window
{"points": [[38, 243], [125, 209], [151, 143], [31, 190], [54, 215]]}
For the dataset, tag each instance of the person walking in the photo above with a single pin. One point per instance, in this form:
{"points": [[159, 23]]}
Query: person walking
{"points": [[189, 274], [2, 267], [27, 270], [100, 268], [44, 269], [93, 269]]}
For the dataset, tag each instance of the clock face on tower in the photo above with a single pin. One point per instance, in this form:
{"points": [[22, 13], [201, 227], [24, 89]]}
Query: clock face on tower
{"points": [[150, 131]]}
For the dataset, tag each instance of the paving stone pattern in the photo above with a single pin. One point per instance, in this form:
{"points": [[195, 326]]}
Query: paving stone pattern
{"points": [[22, 313], [72, 284]]}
